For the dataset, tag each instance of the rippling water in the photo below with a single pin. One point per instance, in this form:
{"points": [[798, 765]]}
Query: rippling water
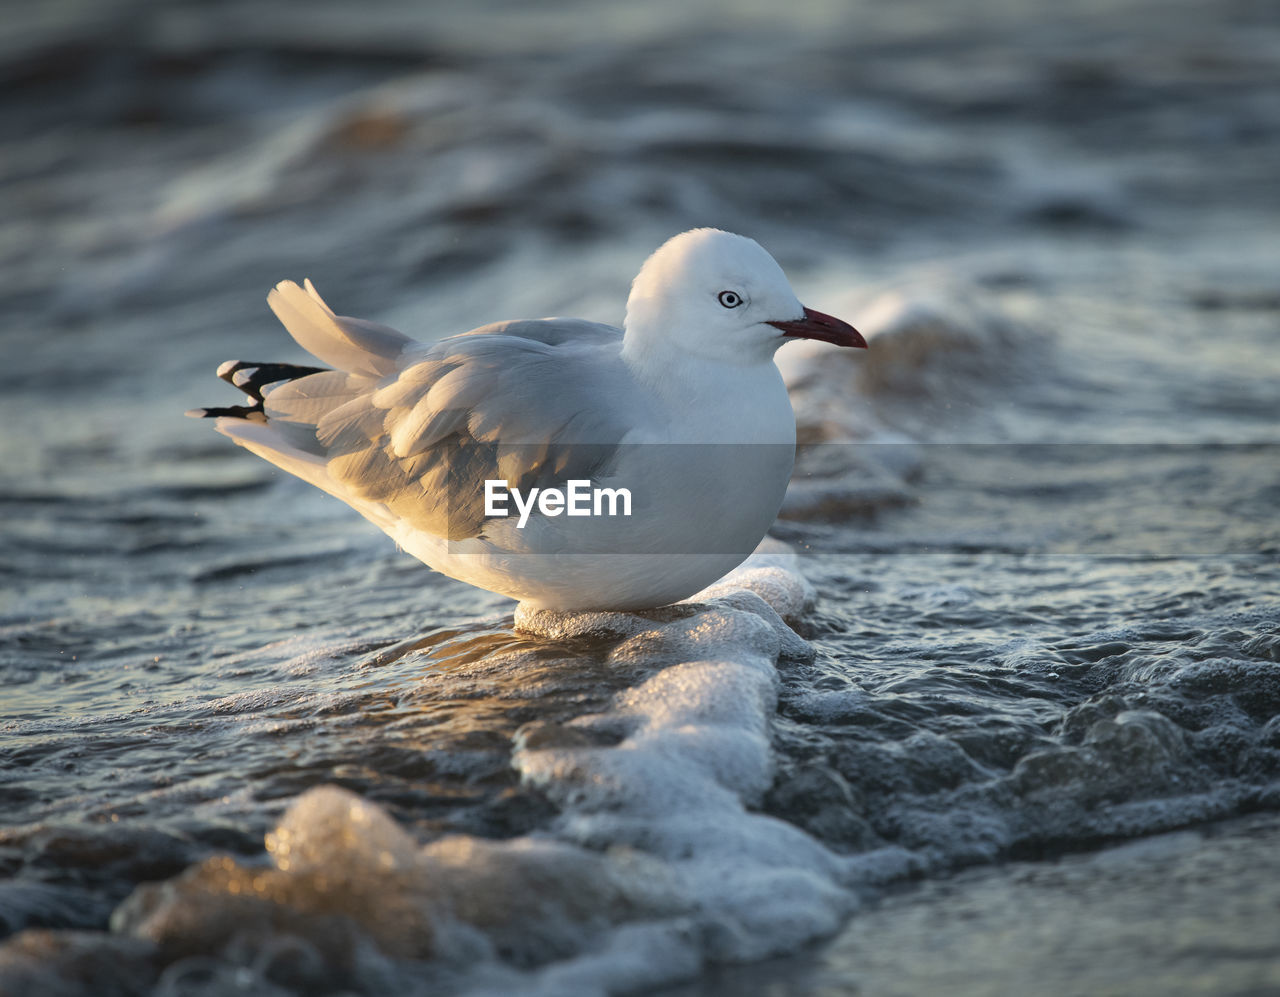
{"points": [[246, 744]]}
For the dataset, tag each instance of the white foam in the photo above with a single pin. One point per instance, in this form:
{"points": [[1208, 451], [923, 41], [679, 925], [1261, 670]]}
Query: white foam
{"points": [[656, 865], [696, 757]]}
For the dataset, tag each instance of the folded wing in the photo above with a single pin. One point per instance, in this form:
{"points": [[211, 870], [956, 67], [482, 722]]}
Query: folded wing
{"points": [[408, 433]]}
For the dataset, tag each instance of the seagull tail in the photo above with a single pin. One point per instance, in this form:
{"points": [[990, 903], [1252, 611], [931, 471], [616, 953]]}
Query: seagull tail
{"points": [[300, 417], [349, 344]]}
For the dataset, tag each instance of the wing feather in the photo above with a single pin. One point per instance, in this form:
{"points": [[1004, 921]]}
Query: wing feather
{"points": [[308, 398], [408, 433], [351, 425], [421, 427]]}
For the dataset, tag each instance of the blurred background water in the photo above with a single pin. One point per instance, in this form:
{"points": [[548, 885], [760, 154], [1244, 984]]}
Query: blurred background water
{"points": [[1039, 732]]}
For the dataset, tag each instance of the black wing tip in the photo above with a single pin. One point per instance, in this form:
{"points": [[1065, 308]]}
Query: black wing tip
{"points": [[253, 379], [249, 413]]}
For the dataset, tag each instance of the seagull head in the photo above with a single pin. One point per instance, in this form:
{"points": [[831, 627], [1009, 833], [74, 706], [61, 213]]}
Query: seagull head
{"points": [[722, 297]]}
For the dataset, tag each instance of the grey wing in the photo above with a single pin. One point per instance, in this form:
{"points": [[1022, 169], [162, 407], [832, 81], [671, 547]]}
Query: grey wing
{"points": [[411, 437], [552, 331]]}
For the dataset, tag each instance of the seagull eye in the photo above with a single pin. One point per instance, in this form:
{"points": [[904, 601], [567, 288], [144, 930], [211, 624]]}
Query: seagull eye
{"points": [[730, 299]]}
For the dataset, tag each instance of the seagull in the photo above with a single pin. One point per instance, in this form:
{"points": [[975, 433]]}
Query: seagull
{"points": [[501, 456]]}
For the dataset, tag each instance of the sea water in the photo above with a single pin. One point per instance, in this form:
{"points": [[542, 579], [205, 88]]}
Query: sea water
{"points": [[996, 708]]}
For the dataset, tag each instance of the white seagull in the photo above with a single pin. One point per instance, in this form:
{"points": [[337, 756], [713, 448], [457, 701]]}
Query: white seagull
{"points": [[683, 409]]}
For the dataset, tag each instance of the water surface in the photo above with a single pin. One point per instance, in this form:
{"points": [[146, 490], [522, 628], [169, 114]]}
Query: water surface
{"points": [[1038, 516]]}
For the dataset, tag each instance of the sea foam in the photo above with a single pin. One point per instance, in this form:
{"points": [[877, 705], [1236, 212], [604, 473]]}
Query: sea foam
{"points": [[656, 864]]}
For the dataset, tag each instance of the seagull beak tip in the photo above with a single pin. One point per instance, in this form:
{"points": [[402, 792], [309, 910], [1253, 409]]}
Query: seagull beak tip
{"points": [[827, 328]]}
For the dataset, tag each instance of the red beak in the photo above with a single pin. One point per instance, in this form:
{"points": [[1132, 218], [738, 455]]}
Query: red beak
{"points": [[816, 325]]}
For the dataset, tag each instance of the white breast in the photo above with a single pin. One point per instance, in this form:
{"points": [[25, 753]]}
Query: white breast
{"points": [[706, 484]]}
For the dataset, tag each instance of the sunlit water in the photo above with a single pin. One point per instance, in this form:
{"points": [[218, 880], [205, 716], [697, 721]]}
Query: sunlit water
{"points": [[1038, 516]]}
